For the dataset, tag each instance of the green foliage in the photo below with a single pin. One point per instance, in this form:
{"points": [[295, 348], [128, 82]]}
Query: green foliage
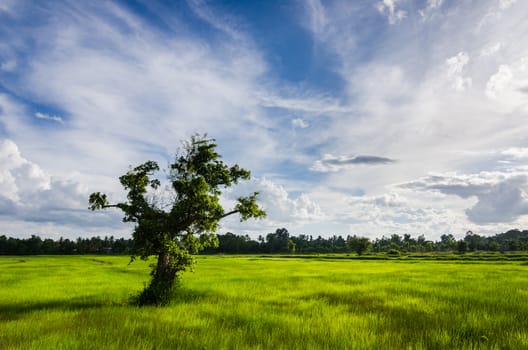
{"points": [[393, 252], [359, 245], [279, 242], [185, 226], [462, 246]]}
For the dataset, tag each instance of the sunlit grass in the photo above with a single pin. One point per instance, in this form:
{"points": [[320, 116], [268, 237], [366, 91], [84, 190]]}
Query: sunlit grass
{"points": [[250, 302]]}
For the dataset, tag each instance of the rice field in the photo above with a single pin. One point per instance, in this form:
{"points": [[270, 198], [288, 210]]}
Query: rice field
{"points": [[82, 302]]}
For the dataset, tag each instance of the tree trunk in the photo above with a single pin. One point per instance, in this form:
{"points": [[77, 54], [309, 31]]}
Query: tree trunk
{"points": [[164, 270], [159, 291]]}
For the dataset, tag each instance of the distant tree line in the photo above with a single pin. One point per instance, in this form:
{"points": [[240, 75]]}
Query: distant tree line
{"points": [[282, 242], [512, 240], [36, 245]]}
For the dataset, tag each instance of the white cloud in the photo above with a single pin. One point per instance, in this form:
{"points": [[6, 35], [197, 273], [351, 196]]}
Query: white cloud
{"points": [[299, 123], [317, 16], [310, 104], [434, 4], [455, 70], [499, 81], [391, 199], [516, 152], [281, 208], [18, 175], [219, 20], [131, 92], [392, 212], [406, 104], [501, 196], [490, 49], [29, 195], [136, 89], [509, 85], [49, 117], [430, 8], [389, 7], [505, 4]]}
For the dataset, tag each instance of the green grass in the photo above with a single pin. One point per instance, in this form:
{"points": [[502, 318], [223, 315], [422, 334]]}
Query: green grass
{"points": [[82, 302]]}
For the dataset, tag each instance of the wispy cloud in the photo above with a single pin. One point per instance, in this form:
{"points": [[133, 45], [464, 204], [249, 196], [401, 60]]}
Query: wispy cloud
{"points": [[49, 117], [431, 7], [455, 70], [317, 16], [390, 8], [505, 4], [220, 20], [128, 87], [491, 49], [331, 163], [299, 123], [310, 103]]}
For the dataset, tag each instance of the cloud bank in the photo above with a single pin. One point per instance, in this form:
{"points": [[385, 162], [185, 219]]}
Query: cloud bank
{"points": [[288, 91], [331, 163]]}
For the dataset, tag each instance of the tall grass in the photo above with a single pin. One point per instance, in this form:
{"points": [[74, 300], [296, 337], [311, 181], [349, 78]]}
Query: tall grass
{"points": [[265, 303]]}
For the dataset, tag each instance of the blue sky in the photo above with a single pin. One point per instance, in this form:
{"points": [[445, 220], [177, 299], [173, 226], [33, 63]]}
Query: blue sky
{"points": [[355, 117]]}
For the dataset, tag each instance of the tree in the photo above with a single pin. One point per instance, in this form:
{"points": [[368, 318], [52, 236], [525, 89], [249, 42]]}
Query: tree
{"points": [[278, 242], [462, 246], [358, 244], [448, 242], [176, 228]]}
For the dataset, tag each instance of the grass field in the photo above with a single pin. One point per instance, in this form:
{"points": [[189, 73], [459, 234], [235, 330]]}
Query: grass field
{"points": [[81, 302]]}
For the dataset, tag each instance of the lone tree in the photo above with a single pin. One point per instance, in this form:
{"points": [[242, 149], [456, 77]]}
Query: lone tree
{"points": [[176, 230], [358, 244]]}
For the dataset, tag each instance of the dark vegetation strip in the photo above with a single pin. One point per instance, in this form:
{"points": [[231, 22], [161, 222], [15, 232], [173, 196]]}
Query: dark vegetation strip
{"points": [[444, 256], [281, 242]]}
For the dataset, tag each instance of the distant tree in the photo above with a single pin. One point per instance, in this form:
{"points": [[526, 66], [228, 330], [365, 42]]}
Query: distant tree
{"points": [[230, 243], [180, 227], [3, 245], [462, 246], [448, 242], [396, 241], [359, 245], [475, 242], [493, 246], [301, 243], [278, 242], [408, 243]]}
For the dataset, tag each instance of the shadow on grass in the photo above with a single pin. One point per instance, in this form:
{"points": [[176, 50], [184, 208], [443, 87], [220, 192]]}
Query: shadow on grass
{"points": [[353, 301], [14, 311], [184, 295]]}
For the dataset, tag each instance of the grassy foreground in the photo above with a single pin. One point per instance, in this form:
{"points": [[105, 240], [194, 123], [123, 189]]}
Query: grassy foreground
{"points": [[81, 302]]}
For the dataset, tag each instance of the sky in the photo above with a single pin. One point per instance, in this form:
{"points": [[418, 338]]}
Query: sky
{"points": [[366, 117]]}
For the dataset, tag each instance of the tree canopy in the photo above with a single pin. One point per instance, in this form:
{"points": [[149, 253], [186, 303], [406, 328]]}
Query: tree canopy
{"points": [[175, 229]]}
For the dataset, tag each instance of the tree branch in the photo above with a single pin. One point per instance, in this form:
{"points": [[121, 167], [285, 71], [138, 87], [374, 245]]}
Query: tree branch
{"points": [[110, 206], [229, 213]]}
